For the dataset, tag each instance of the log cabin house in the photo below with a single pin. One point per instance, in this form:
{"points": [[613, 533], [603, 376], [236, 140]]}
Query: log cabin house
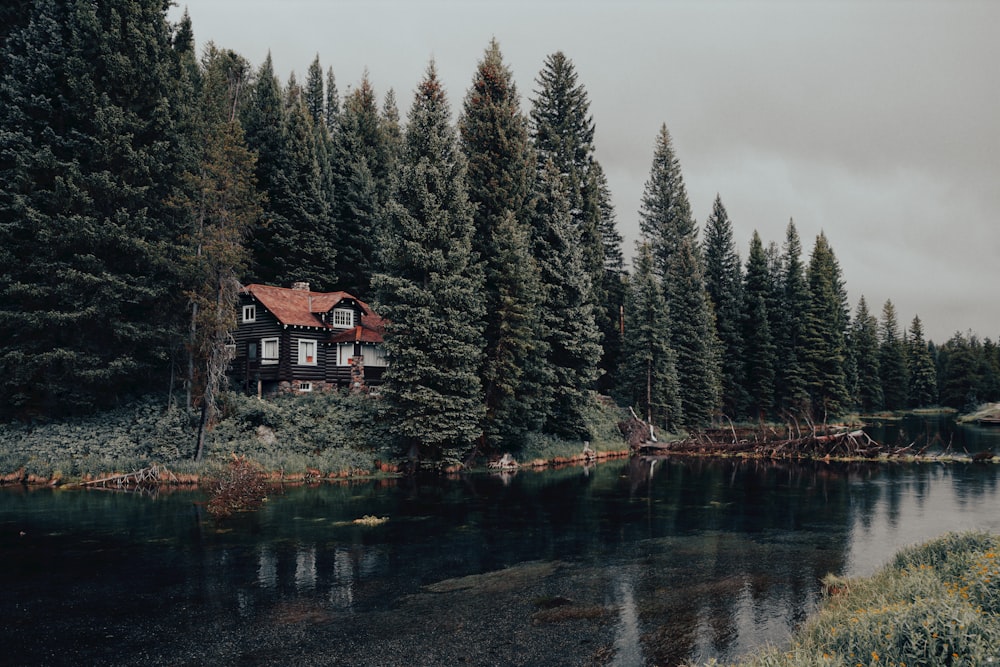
{"points": [[296, 340]]}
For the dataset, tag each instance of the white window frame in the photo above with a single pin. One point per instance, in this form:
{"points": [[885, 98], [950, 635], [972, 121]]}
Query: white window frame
{"points": [[344, 353], [304, 386], [337, 318], [250, 313], [264, 342], [304, 345]]}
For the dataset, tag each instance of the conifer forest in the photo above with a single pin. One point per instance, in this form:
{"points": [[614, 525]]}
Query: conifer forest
{"points": [[142, 182]]}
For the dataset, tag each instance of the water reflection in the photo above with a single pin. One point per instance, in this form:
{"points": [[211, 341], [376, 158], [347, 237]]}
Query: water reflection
{"points": [[658, 561]]}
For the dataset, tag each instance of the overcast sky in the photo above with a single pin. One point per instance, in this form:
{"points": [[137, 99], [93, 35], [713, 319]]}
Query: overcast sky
{"points": [[876, 122]]}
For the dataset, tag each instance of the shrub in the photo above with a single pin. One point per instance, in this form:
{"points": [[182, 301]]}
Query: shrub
{"points": [[240, 487], [938, 603]]}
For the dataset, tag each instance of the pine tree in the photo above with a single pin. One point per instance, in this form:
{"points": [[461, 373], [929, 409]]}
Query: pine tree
{"points": [[363, 166], [224, 206], [612, 293], [824, 347], [665, 217], [724, 283], [759, 348], [692, 336], [792, 394], [89, 156], [865, 339], [920, 368], [494, 136], [314, 95], [562, 130], [649, 374], [567, 313], [431, 291], [331, 109], [892, 360], [961, 380], [666, 221]]}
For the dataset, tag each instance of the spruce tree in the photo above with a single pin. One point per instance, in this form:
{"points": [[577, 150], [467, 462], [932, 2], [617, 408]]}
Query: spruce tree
{"points": [[865, 340], [431, 291], [892, 360], [363, 167], [224, 206], [724, 283], [666, 221], [567, 314], [665, 217], [824, 347], [494, 136], [792, 394], [920, 368], [89, 157], [649, 373], [692, 336], [759, 348], [562, 130]]}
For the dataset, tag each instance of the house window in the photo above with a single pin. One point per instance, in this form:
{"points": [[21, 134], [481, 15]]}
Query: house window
{"points": [[344, 353], [343, 318], [307, 352], [269, 351], [249, 313], [252, 351], [305, 386]]}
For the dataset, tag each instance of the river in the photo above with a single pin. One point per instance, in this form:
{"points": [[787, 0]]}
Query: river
{"points": [[635, 562]]}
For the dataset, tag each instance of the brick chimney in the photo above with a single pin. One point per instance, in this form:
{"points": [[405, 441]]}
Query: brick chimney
{"points": [[302, 286]]}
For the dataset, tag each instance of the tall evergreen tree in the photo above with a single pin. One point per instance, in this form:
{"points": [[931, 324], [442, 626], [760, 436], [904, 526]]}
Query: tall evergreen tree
{"points": [[431, 290], [494, 136], [792, 394], [314, 95], [865, 339], [920, 368], [649, 375], [759, 348], [961, 375], [331, 109], [562, 130], [89, 155], [666, 221], [363, 166], [567, 313], [224, 206], [824, 347], [692, 336], [724, 283], [892, 360], [612, 293], [665, 217]]}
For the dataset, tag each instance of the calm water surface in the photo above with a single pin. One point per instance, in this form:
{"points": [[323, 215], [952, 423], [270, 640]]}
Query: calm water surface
{"points": [[629, 563]]}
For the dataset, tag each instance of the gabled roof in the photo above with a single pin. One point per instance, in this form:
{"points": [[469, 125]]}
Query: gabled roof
{"points": [[303, 308]]}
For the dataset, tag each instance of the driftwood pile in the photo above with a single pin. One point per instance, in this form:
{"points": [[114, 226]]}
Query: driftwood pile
{"points": [[781, 443]]}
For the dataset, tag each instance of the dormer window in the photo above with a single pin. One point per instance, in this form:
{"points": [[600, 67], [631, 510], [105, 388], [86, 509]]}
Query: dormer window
{"points": [[250, 313], [343, 318]]}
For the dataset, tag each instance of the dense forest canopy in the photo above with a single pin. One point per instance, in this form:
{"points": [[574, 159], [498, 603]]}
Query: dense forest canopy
{"points": [[140, 182]]}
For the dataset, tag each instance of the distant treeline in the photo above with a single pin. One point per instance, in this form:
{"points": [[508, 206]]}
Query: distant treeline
{"points": [[140, 183]]}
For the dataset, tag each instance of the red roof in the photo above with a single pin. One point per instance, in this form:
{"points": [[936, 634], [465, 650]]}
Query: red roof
{"points": [[303, 308]]}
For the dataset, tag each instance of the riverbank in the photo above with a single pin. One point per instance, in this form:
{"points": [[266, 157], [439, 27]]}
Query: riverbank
{"points": [[935, 604], [295, 439]]}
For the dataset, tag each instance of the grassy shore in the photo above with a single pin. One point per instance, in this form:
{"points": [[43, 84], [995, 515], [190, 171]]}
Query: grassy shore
{"points": [[316, 435], [934, 604]]}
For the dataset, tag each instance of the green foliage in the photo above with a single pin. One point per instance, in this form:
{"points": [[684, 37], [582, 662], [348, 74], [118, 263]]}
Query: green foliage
{"points": [[935, 604], [88, 296], [864, 338], [567, 313], [920, 368], [792, 392], [431, 291], [824, 346], [758, 337], [649, 373], [892, 360], [495, 142], [724, 284]]}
